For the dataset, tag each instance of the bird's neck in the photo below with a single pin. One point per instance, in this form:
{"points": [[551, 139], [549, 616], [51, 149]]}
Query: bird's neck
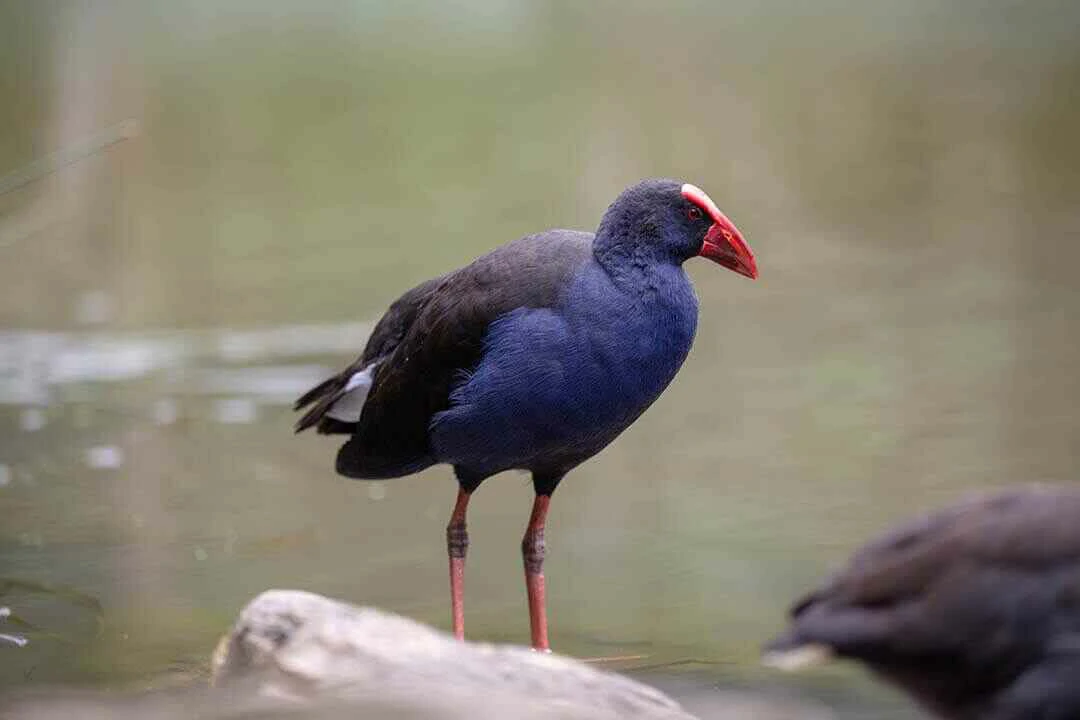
{"points": [[634, 262]]}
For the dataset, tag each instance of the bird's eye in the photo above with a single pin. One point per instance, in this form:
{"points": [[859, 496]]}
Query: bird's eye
{"points": [[694, 212]]}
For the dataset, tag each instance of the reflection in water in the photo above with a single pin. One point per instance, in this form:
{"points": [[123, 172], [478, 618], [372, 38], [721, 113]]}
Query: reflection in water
{"points": [[104, 457], [38, 366], [16, 640]]}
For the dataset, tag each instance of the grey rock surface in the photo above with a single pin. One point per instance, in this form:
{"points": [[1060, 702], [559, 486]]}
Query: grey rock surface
{"points": [[300, 646]]}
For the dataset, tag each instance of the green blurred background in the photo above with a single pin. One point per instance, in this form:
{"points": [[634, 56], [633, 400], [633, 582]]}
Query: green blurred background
{"points": [[203, 205]]}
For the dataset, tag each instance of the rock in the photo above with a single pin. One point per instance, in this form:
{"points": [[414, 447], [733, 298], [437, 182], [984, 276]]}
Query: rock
{"points": [[298, 647]]}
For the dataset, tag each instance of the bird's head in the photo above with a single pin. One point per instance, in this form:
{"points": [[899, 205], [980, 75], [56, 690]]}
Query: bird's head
{"points": [[673, 221]]}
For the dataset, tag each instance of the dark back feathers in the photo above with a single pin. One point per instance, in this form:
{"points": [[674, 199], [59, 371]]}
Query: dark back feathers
{"points": [[434, 334]]}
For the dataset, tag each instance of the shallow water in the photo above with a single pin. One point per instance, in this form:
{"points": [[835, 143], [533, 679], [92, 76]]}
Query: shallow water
{"points": [[907, 176]]}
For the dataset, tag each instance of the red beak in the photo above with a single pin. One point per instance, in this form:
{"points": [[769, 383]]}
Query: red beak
{"points": [[723, 243]]}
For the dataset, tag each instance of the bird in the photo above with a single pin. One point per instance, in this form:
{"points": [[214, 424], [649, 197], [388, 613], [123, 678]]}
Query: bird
{"points": [[973, 610], [534, 357]]}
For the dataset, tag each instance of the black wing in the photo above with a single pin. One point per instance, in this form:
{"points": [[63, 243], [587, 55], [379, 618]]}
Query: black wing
{"points": [[957, 605], [428, 338], [387, 335]]}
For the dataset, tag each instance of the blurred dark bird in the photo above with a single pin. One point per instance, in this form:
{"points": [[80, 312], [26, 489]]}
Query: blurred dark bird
{"points": [[533, 357], [974, 610]]}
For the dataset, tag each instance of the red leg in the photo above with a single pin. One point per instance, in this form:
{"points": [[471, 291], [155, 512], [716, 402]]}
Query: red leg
{"points": [[457, 542], [532, 551]]}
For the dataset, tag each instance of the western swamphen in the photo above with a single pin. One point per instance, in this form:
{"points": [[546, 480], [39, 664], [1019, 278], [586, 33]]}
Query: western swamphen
{"points": [[534, 357], [974, 610]]}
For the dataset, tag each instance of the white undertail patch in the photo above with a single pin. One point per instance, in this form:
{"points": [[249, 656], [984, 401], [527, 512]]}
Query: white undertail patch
{"points": [[348, 408]]}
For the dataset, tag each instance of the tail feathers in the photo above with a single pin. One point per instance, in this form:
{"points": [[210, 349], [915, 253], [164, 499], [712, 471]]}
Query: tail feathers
{"points": [[326, 386], [327, 394], [354, 461]]}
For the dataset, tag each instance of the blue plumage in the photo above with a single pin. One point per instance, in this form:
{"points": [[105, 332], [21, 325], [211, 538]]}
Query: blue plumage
{"points": [[555, 385], [535, 356]]}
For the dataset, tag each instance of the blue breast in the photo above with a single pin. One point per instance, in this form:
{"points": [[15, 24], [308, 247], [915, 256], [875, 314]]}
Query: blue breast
{"points": [[555, 385]]}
